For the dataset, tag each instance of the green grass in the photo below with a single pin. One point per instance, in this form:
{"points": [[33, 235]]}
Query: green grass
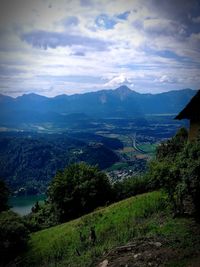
{"points": [[114, 225], [148, 148], [143, 215], [118, 166]]}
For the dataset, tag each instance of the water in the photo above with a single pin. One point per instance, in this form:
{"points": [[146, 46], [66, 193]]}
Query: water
{"points": [[23, 204]]}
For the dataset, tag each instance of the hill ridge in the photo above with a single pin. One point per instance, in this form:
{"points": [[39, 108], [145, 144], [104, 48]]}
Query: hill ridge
{"points": [[99, 91], [121, 102]]}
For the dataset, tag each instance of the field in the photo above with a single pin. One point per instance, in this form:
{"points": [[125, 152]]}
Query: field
{"points": [[150, 149], [142, 216]]}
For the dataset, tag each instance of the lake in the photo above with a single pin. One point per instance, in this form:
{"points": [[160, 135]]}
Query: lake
{"points": [[23, 204]]}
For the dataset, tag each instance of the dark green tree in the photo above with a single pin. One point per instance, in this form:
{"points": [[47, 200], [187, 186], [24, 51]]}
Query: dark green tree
{"points": [[13, 236], [131, 186], [41, 218], [4, 193], [170, 148], [77, 190], [188, 162]]}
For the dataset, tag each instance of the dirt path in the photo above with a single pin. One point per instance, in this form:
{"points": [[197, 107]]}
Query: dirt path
{"points": [[140, 253], [195, 262]]}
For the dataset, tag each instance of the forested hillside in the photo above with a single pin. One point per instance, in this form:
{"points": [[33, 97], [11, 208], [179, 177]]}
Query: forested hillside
{"points": [[28, 161]]}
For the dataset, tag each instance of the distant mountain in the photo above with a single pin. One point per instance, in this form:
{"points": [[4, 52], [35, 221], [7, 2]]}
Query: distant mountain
{"points": [[121, 102]]}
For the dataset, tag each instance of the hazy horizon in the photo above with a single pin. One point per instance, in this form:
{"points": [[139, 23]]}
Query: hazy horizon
{"points": [[68, 47]]}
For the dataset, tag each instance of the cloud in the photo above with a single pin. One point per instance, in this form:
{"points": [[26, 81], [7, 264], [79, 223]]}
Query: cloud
{"points": [[70, 21], [177, 10], [123, 16], [86, 3], [78, 54], [44, 44], [45, 40], [6, 71], [118, 80], [105, 22], [166, 79], [196, 19], [164, 27]]}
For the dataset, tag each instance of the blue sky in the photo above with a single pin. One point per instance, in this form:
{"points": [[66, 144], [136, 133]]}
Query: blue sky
{"points": [[68, 46]]}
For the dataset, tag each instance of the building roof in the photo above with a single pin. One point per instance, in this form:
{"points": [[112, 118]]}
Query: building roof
{"points": [[191, 110]]}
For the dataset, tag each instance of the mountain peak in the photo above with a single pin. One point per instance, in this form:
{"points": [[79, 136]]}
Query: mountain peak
{"points": [[123, 89], [32, 96], [123, 92]]}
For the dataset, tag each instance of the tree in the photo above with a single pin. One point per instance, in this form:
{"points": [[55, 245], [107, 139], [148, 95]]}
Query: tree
{"points": [[188, 162], [13, 235], [169, 149], [41, 218], [77, 190], [166, 175], [4, 193], [177, 170], [131, 186]]}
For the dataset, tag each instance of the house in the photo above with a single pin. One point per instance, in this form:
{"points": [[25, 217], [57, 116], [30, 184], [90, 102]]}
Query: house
{"points": [[192, 113]]}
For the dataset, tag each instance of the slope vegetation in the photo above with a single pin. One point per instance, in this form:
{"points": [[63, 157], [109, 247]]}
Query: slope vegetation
{"points": [[143, 216]]}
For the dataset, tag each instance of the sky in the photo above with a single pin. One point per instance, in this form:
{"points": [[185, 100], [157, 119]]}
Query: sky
{"points": [[76, 46]]}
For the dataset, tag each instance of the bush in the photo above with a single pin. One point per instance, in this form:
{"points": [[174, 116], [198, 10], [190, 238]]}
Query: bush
{"points": [[13, 235], [188, 162], [4, 193], [131, 186], [41, 218]]}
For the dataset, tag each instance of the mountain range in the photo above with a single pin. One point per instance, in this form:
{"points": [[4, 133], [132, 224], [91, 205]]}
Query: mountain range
{"points": [[121, 102]]}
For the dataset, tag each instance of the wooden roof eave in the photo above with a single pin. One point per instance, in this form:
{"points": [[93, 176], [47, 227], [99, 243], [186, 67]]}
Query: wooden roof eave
{"points": [[186, 112]]}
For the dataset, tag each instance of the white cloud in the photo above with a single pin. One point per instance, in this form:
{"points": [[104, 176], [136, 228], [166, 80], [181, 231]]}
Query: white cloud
{"points": [[166, 79], [196, 19], [116, 81]]}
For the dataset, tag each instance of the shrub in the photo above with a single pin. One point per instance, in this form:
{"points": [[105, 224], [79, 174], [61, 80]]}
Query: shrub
{"points": [[4, 192], [131, 186], [41, 218]]}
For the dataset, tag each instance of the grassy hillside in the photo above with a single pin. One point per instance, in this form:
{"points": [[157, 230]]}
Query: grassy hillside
{"points": [[143, 215]]}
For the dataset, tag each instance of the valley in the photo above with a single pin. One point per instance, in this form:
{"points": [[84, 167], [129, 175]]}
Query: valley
{"points": [[120, 146], [117, 130], [99, 133]]}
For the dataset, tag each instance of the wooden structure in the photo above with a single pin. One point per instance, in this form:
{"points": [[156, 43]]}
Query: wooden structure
{"points": [[192, 113]]}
